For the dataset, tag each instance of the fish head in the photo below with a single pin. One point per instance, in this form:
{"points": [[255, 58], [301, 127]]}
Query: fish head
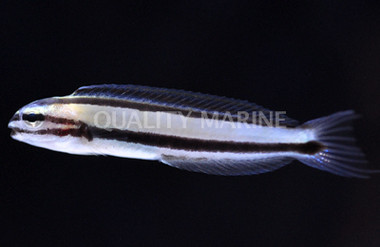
{"points": [[45, 123]]}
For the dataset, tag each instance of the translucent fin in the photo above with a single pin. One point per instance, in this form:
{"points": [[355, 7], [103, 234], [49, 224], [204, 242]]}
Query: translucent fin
{"points": [[341, 156], [227, 167], [179, 99]]}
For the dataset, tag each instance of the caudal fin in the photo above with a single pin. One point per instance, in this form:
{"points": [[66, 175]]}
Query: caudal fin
{"points": [[341, 155]]}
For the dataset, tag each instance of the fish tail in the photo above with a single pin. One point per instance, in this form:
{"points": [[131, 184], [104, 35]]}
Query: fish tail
{"points": [[339, 154]]}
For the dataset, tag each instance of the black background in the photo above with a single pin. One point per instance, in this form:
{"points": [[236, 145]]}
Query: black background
{"points": [[309, 58]]}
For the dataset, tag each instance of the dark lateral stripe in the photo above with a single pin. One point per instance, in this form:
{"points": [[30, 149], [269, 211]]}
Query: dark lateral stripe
{"points": [[180, 143], [191, 144], [141, 106], [49, 118], [58, 120], [82, 131]]}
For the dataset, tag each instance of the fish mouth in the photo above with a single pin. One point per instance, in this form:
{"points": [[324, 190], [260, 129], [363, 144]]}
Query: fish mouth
{"points": [[16, 134], [13, 124], [13, 132]]}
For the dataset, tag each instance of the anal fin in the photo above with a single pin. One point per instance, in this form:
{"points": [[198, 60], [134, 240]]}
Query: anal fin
{"points": [[226, 167]]}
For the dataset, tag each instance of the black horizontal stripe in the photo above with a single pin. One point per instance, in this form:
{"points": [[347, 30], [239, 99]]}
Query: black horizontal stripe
{"points": [[179, 143], [60, 120], [192, 144], [41, 117], [145, 106], [81, 131]]}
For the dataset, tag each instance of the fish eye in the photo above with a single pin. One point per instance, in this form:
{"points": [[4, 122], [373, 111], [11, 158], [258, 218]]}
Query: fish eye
{"points": [[33, 120], [33, 117]]}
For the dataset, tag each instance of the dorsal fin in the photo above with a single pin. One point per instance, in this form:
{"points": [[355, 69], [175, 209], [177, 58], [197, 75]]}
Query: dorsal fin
{"points": [[179, 99]]}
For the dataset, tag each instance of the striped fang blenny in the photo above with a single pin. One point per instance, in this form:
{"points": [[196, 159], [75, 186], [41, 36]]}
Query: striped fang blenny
{"points": [[190, 131]]}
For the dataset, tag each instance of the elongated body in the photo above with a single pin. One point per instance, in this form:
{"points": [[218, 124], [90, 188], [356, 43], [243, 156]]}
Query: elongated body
{"points": [[192, 131]]}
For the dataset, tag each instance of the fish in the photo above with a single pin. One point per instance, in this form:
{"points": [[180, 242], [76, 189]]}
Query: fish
{"points": [[191, 131]]}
